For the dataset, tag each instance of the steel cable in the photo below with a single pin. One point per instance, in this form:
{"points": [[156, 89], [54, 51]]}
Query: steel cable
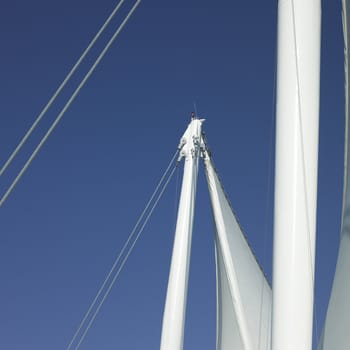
{"points": [[123, 261], [117, 260], [60, 88], [67, 105]]}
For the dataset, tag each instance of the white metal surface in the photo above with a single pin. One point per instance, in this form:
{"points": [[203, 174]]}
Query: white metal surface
{"points": [[243, 293], [298, 75], [175, 306]]}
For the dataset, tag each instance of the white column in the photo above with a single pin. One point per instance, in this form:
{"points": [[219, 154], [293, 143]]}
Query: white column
{"points": [[298, 77], [175, 306]]}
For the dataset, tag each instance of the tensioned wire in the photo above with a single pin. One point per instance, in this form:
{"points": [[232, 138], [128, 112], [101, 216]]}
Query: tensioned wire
{"points": [[67, 105], [117, 260], [301, 134], [117, 273], [59, 89]]}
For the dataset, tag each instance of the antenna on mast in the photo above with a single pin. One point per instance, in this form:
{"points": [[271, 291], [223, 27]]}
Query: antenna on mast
{"points": [[195, 108]]}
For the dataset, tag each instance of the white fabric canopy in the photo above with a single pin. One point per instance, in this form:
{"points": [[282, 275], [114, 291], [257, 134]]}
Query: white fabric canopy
{"points": [[336, 332], [243, 293]]}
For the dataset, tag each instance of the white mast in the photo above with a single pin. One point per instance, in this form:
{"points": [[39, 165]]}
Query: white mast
{"points": [[175, 306], [298, 76]]}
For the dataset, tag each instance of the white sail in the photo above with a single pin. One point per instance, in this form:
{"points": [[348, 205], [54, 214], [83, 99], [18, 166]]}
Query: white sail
{"points": [[336, 333], [243, 293]]}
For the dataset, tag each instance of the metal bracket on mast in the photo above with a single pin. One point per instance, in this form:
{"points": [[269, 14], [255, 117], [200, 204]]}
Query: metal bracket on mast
{"points": [[175, 306], [191, 144]]}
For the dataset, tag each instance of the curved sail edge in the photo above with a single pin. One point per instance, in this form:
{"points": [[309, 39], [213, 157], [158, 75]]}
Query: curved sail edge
{"points": [[243, 292], [336, 333]]}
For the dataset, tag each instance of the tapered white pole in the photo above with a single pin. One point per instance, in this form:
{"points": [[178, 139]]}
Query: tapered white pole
{"points": [[175, 306], [298, 78]]}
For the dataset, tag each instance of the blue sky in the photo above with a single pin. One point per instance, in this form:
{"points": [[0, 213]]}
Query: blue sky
{"points": [[64, 224]]}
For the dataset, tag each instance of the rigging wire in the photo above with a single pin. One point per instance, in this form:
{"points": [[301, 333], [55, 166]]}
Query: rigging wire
{"points": [[67, 105], [312, 267], [176, 198], [117, 260], [60, 88], [124, 260]]}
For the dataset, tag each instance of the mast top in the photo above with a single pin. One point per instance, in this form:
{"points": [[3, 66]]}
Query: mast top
{"points": [[191, 142]]}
